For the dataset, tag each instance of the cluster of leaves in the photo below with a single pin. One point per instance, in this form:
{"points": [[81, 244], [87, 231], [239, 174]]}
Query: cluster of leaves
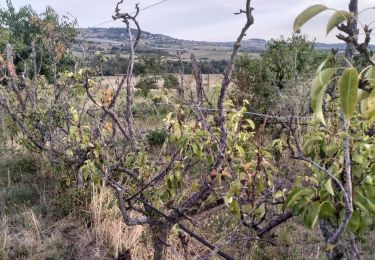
{"points": [[327, 150], [320, 197], [145, 85], [350, 93], [112, 65], [340, 147], [248, 173]]}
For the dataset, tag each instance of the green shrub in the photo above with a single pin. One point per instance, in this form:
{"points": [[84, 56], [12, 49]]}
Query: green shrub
{"points": [[252, 84], [156, 137], [170, 81], [144, 85]]}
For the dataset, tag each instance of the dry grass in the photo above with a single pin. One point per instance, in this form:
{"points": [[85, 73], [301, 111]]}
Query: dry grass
{"points": [[22, 237], [98, 232], [109, 229], [4, 237]]}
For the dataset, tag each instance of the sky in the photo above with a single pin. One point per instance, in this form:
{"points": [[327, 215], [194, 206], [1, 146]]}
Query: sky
{"points": [[204, 20]]}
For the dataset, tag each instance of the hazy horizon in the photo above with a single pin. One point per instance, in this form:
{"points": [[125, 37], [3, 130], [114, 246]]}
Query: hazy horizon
{"points": [[209, 20]]}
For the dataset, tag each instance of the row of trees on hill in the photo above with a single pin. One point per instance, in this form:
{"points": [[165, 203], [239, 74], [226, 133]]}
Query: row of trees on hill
{"points": [[115, 65]]}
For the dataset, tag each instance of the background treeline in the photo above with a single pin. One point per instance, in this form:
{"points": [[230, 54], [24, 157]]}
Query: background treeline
{"points": [[116, 65]]}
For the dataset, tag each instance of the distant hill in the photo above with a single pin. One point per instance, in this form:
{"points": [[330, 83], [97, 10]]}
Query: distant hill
{"points": [[120, 35], [111, 40]]}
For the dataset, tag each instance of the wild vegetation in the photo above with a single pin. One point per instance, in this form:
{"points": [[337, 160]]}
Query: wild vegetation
{"points": [[274, 161]]}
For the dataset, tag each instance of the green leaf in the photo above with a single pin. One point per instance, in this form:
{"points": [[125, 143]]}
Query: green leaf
{"points": [[234, 207], [236, 187], [370, 189], [260, 186], [370, 76], [299, 207], [326, 210], [178, 176], [260, 211], [364, 203], [296, 194], [366, 221], [74, 115], [331, 150], [370, 106], [250, 123], [311, 142], [240, 150], [359, 205], [354, 222], [362, 94], [170, 182], [313, 216], [357, 158], [336, 19], [321, 66], [165, 196], [306, 15], [319, 86], [228, 199], [348, 88], [371, 101], [279, 194], [329, 188], [73, 130], [195, 148]]}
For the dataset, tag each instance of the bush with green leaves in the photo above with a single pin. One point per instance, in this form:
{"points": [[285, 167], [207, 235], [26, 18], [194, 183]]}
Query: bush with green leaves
{"points": [[170, 81], [283, 65], [156, 137], [145, 84], [287, 60], [252, 84]]}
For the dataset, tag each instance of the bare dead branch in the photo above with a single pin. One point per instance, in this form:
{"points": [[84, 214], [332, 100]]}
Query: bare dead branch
{"points": [[181, 72], [274, 223], [226, 81], [120, 197], [198, 79], [127, 19]]}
